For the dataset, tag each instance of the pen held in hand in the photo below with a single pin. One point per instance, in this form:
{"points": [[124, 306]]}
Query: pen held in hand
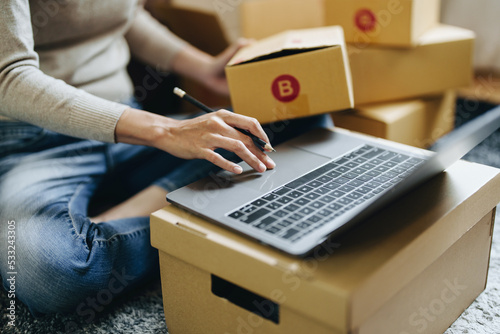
{"points": [[259, 142]]}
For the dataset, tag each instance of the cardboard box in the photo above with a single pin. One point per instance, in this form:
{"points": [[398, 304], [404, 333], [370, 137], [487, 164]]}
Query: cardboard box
{"points": [[383, 22], [223, 20], [264, 18], [411, 268], [226, 12], [197, 25], [442, 60], [417, 122], [293, 74]]}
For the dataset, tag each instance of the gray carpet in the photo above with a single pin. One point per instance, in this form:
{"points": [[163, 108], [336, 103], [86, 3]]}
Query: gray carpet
{"points": [[142, 310]]}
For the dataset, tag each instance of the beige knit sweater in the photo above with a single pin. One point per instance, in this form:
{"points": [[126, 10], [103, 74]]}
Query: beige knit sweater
{"points": [[63, 62]]}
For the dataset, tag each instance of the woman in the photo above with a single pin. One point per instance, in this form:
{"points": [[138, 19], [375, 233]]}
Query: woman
{"points": [[66, 125]]}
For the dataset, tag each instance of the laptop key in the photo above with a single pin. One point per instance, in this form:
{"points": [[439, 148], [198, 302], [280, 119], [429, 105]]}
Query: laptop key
{"points": [[315, 184], [335, 206], [248, 208], [270, 197], [291, 207], [295, 194], [390, 164], [295, 217], [325, 212], [333, 174], [346, 188], [266, 222], [318, 204], [332, 185], [305, 189], [325, 179], [281, 191], [290, 233], [302, 201], [373, 153], [337, 193], [274, 205], [312, 196], [285, 223], [400, 158], [280, 213], [313, 219], [256, 215], [355, 195], [322, 190], [273, 229], [259, 202], [327, 199], [386, 155], [284, 200], [306, 211], [236, 214]]}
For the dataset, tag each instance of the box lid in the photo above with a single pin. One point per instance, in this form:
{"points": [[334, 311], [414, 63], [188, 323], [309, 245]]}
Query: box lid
{"points": [[290, 40], [444, 34], [350, 278]]}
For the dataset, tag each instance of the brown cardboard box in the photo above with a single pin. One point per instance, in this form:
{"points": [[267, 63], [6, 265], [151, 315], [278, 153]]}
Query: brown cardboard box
{"points": [[411, 268], [417, 122], [442, 60], [293, 74], [198, 26], [386, 22], [246, 18], [263, 18]]}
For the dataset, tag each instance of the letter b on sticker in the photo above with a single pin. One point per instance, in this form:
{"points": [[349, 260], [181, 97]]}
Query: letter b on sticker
{"points": [[285, 88]]}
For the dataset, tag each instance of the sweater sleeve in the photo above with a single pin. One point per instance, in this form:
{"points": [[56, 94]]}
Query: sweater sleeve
{"points": [[29, 95], [152, 42]]}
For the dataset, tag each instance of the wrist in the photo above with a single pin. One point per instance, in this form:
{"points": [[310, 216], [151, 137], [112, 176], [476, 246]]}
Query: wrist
{"points": [[193, 63], [140, 127]]}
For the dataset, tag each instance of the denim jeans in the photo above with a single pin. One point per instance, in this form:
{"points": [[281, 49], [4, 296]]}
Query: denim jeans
{"points": [[63, 261]]}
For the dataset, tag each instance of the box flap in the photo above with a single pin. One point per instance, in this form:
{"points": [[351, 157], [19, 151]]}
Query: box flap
{"points": [[444, 33], [291, 40]]}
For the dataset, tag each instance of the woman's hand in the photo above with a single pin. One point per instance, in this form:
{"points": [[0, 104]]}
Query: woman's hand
{"points": [[206, 69], [197, 138]]}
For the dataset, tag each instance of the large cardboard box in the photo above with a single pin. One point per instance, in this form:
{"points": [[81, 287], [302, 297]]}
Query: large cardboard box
{"points": [[385, 22], [416, 122], [441, 61], [293, 74], [228, 20], [411, 268], [264, 18]]}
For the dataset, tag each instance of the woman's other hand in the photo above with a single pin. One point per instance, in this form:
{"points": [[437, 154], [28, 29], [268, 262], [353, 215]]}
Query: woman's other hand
{"points": [[206, 69]]}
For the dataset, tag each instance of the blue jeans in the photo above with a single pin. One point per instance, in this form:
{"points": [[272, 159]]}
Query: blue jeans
{"points": [[63, 261]]}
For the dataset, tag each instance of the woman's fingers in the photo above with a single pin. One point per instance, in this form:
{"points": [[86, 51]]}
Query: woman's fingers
{"points": [[245, 123], [201, 136], [244, 150]]}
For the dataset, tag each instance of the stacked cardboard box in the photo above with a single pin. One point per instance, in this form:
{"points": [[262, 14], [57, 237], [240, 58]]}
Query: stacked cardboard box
{"points": [[212, 25], [411, 268], [293, 74], [399, 55], [401, 58]]}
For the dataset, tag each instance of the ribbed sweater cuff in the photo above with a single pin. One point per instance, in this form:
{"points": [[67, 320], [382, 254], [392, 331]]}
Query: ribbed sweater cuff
{"points": [[95, 118]]}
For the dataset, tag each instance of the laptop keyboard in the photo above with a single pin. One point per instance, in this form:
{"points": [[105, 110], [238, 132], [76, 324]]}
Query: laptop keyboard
{"points": [[312, 200]]}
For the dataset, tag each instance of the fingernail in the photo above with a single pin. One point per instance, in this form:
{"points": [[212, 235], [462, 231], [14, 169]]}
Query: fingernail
{"points": [[262, 167], [237, 169], [270, 162]]}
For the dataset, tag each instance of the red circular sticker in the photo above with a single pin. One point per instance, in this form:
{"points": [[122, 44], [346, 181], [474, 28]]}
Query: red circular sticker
{"points": [[285, 88], [365, 19]]}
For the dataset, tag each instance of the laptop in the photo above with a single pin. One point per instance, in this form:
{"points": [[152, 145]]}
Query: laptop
{"points": [[324, 183]]}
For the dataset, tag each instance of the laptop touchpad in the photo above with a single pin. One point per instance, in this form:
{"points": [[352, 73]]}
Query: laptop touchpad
{"points": [[290, 162]]}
